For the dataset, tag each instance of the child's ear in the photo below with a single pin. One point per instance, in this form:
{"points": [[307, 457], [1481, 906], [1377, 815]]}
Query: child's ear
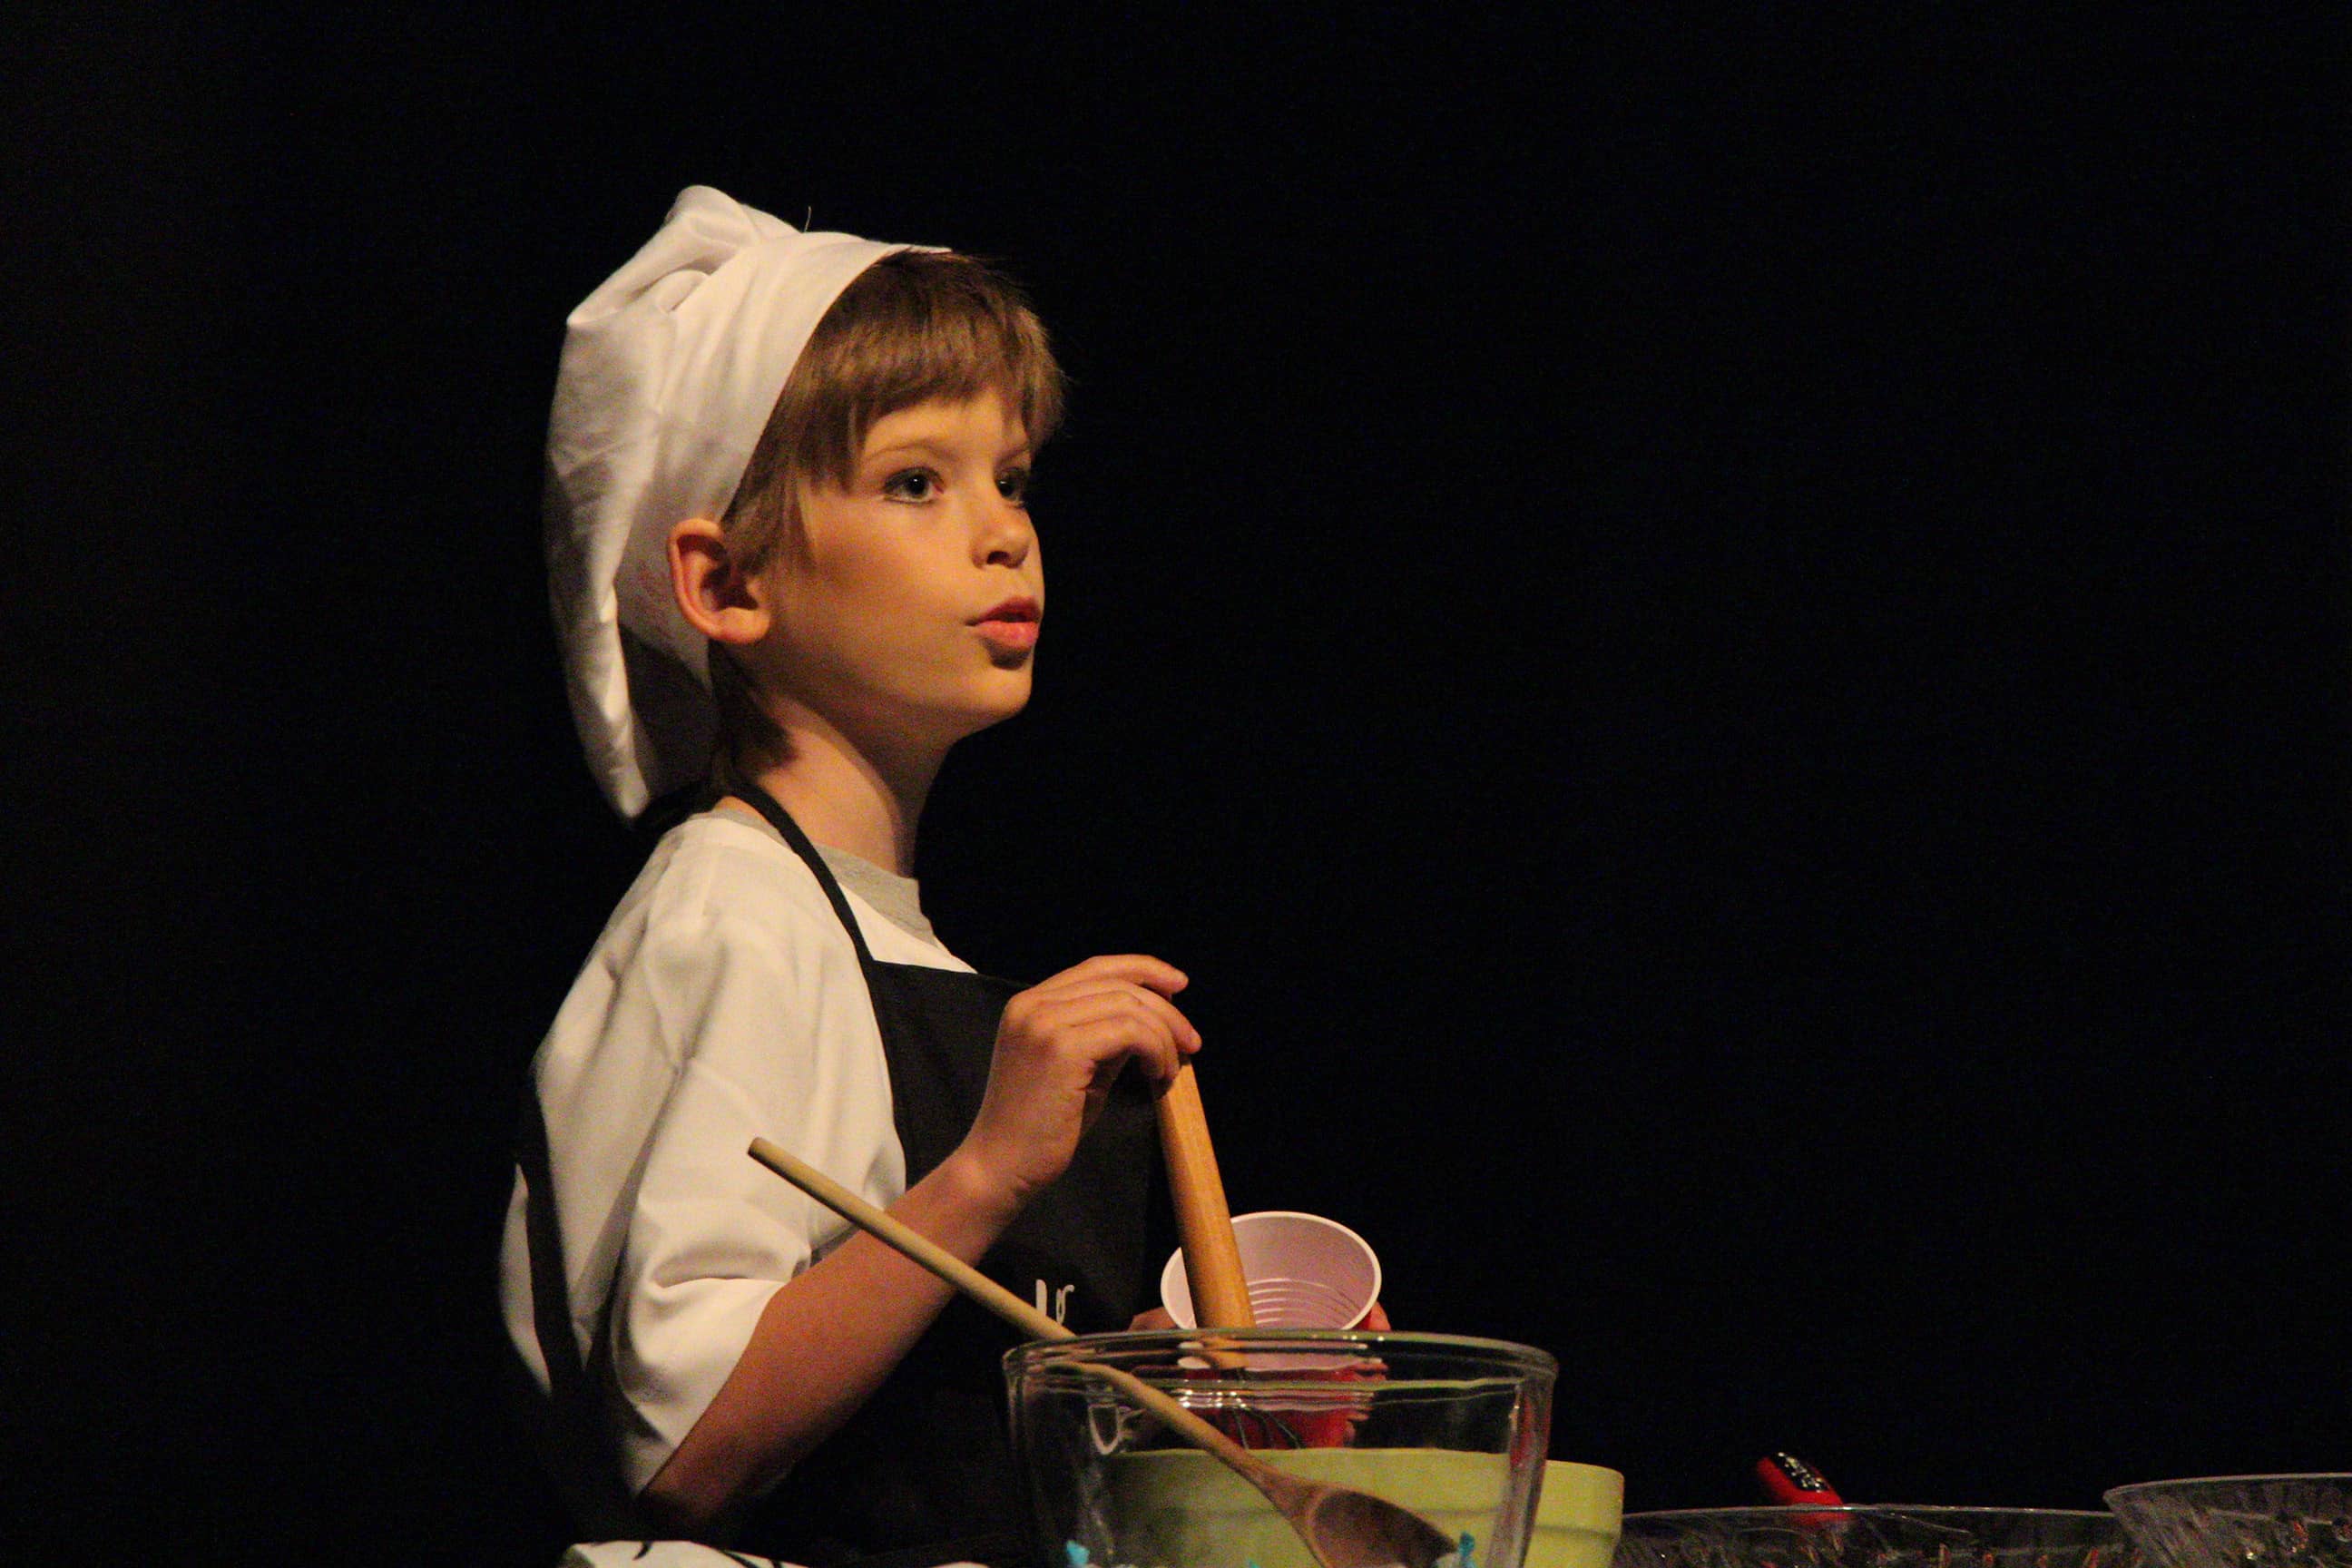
{"points": [[717, 597]]}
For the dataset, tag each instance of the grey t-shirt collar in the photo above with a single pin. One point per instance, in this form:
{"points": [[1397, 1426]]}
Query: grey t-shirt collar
{"points": [[897, 898]]}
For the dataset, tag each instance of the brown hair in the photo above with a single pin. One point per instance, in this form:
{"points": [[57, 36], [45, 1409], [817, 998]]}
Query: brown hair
{"points": [[916, 325]]}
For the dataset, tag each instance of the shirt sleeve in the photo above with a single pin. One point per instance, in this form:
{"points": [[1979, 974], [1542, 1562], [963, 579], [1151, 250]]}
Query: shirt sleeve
{"points": [[714, 1027]]}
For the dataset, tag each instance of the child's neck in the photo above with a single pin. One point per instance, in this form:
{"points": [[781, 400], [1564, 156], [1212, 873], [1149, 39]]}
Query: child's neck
{"points": [[846, 796]]}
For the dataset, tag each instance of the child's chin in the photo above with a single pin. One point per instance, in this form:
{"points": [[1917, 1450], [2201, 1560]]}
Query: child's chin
{"points": [[1008, 688], [1001, 701]]}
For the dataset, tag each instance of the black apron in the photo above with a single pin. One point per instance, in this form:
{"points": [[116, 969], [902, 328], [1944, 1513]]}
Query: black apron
{"points": [[923, 1474]]}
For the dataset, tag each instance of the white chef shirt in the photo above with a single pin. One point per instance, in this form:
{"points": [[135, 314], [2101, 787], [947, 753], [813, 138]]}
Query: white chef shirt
{"points": [[722, 1001]]}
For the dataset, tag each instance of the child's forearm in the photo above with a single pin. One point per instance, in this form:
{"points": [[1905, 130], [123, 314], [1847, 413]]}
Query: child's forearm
{"points": [[828, 1339], [824, 1344]]}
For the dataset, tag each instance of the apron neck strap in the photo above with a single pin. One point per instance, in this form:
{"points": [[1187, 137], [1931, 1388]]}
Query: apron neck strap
{"points": [[761, 801]]}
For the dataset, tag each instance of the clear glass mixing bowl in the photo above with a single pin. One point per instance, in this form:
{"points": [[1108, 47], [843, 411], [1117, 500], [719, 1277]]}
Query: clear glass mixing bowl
{"points": [[1453, 1429]]}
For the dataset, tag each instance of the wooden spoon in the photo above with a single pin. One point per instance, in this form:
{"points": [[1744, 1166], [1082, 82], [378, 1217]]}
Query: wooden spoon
{"points": [[1212, 1262], [1341, 1528]]}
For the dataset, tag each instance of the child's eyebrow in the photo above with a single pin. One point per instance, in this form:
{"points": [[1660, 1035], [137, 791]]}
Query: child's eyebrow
{"points": [[944, 450]]}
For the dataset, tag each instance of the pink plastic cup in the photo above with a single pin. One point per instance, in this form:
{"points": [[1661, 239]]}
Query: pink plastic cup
{"points": [[1304, 1272]]}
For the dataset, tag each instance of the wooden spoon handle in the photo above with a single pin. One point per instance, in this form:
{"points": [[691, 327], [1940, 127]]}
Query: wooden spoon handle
{"points": [[1187, 1425], [1212, 1264], [896, 1233], [911, 1242]]}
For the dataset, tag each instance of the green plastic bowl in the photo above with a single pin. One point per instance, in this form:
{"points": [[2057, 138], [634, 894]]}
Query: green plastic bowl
{"points": [[1578, 1517], [1184, 1507]]}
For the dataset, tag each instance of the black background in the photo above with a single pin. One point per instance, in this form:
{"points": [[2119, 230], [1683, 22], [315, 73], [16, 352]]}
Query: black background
{"points": [[1719, 634]]}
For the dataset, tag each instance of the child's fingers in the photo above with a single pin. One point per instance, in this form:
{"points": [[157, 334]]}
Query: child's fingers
{"points": [[1096, 1049], [1179, 1028], [1137, 968], [1187, 1038], [1111, 1023], [1127, 972]]}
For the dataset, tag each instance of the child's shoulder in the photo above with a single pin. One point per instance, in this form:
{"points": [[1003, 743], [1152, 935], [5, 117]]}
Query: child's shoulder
{"points": [[717, 870], [721, 878]]}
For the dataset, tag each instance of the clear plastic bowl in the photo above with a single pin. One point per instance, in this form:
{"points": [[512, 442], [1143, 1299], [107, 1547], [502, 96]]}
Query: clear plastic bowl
{"points": [[1874, 1535], [2241, 1521], [1453, 1429]]}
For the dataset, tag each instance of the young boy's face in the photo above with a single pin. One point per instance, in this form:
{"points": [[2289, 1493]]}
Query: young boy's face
{"points": [[914, 613]]}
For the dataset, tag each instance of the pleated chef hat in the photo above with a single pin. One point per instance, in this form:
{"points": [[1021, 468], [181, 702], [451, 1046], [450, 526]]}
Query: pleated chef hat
{"points": [[670, 372]]}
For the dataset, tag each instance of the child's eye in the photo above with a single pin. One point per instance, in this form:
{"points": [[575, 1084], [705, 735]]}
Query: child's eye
{"points": [[1013, 484], [911, 484]]}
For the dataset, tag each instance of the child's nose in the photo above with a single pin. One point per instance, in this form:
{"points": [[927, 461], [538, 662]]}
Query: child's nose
{"points": [[1005, 536]]}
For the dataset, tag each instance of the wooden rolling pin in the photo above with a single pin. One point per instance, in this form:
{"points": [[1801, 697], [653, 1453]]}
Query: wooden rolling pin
{"points": [[1212, 1264]]}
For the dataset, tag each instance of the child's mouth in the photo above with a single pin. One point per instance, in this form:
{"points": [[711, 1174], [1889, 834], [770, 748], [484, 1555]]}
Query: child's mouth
{"points": [[1011, 626], [1014, 635]]}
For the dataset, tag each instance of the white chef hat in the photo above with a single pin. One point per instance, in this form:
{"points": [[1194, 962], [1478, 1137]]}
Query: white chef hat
{"points": [[670, 370]]}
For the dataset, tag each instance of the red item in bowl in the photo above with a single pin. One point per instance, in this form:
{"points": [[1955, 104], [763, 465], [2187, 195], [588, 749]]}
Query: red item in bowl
{"points": [[1305, 1422]]}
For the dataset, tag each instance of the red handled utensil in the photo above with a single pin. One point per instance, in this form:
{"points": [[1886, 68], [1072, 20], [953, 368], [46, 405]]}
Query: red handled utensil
{"points": [[1790, 1483]]}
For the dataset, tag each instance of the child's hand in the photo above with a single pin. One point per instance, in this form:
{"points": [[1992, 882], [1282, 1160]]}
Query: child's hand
{"points": [[1059, 1048]]}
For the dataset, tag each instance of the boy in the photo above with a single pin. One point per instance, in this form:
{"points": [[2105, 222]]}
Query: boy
{"points": [[789, 541]]}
